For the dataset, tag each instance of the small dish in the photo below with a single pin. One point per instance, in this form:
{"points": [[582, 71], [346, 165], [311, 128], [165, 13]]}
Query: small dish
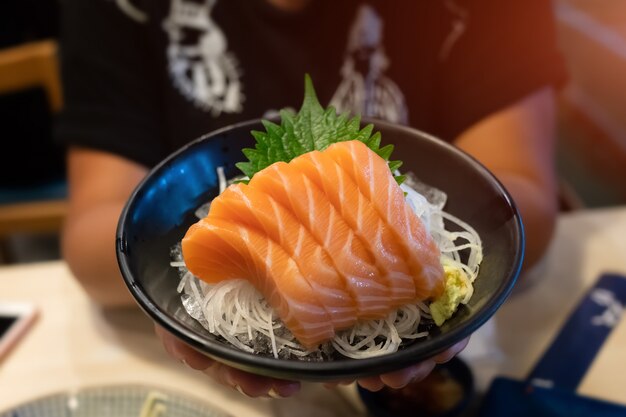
{"points": [[115, 400]]}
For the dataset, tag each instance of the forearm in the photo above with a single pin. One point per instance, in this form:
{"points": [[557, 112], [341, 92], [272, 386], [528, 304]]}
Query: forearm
{"points": [[538, 208], [100, 183], [517, 145], [89, 249]]}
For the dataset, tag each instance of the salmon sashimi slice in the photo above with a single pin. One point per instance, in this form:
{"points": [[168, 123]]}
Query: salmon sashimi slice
{"points": [[367, 170], [358, 212], [350, 255], [328, 239], [252, 208], [266, 265]]}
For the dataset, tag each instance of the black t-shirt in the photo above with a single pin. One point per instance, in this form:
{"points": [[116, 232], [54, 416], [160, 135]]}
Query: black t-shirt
{"points": [[142, 78]]}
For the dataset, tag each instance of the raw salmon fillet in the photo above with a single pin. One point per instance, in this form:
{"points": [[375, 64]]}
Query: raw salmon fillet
{"points": [[327, 238]]}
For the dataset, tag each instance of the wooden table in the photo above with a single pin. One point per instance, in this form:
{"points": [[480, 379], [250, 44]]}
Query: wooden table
{"points": [[75, 344]]}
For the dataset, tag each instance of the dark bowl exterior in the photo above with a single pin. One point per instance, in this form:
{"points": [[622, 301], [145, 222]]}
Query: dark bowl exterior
{"points": [[162, 207]]}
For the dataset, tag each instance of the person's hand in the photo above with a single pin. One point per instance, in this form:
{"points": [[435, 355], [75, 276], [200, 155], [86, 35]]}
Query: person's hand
{"points": [[248, 384], [259, 386], [413, 373]]}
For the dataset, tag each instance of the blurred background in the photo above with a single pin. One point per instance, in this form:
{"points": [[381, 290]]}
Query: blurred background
{"points": [[592, 125], [592, 118], [32, 184]]}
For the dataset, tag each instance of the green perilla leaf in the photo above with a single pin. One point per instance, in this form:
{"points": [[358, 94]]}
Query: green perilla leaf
{"points": [[312, 128]]}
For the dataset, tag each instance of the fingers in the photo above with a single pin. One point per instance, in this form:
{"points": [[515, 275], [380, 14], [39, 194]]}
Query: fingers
{"points": [[451, 352], [372, 383], [244, 382], [181, 351], [417, 372], [190, 357], [259, 386], [401, 378], [398, 379], [334, 384], [250, 384]]}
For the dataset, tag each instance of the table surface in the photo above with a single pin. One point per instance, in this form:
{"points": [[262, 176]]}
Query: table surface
{"points": [[73, 344]]}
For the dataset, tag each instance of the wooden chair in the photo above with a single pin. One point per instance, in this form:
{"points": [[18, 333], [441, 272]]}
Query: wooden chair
{"points": [[21, 68]]}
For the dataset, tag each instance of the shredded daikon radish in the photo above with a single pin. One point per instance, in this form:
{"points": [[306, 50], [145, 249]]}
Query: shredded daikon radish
{"points": [[221, 178], [237, 312]]}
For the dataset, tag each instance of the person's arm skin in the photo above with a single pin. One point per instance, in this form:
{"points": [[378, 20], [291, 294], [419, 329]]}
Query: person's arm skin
{"points": [[517, 145], [99, 184]]}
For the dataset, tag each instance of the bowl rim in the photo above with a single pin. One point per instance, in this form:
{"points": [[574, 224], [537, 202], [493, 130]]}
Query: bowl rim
{"points": [[323, 370]]}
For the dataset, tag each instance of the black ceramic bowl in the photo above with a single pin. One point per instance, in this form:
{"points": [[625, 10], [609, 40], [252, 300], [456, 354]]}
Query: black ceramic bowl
{"points": [[162, 207]]}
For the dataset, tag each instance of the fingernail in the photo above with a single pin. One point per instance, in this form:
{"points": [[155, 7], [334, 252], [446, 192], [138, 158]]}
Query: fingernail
{"points": [[273, 393], [417, 375], [238, 388], [371, 387], [414, 378]]}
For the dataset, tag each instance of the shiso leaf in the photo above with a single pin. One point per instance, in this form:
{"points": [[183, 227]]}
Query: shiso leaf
{"points": [[312, 128]]}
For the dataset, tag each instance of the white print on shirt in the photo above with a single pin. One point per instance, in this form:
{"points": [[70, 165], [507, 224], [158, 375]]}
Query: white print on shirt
{"points": [[131, 11], [365, 89], [202, 68]]}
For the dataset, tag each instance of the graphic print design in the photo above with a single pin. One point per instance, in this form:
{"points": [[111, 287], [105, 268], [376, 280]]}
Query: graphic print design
{"points": [[364, 88], [202, 68]]}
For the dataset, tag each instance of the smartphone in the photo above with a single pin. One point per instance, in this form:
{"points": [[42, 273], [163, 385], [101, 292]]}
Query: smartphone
{"points": [[15, 320]]}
